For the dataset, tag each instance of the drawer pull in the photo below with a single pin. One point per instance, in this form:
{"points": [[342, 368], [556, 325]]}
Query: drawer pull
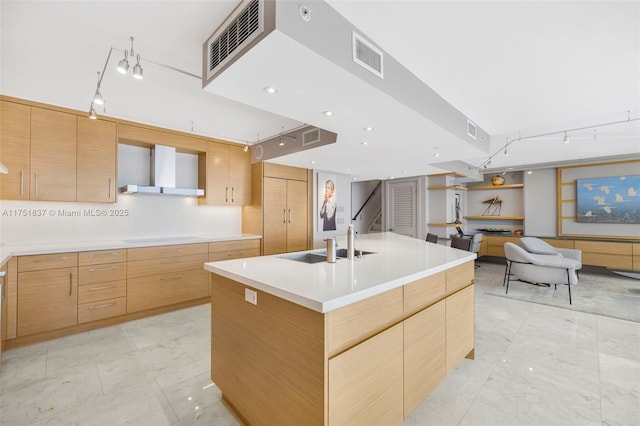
{"points": [[113, 253], [70, 283], [106, 305], [57, 259], [104, 287], [170, 261], [109, 268], [174, 277], [21, 182], [171, 251]]}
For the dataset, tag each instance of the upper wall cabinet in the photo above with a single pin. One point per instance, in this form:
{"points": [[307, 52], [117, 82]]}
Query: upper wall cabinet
{"points": [[227, 175], [53, 155], [15, 148], [97, 156]]}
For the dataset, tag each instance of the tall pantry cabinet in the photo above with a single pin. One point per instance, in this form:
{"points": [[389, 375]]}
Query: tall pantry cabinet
{"points": [[280, 209]]}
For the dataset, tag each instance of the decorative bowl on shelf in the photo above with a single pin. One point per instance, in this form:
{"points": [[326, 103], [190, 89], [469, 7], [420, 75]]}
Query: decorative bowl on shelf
{"points": [[497, 180]]}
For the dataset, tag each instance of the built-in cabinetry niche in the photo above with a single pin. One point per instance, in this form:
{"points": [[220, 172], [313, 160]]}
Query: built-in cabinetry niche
{"points": [[507, 213], [134, 167]]}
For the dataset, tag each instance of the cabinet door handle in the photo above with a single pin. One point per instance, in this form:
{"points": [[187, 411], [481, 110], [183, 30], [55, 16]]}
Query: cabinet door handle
{"points": [[21, 182], [113, 253], [57, 259], [70, 283], [110, 268], [3, 296], [290, 216], [170, 261], [106, 305], [36, 183], [109, 190], [233, 198], [104, 287], [174, 277], [284, 216], [226, 194], [171, 251]]}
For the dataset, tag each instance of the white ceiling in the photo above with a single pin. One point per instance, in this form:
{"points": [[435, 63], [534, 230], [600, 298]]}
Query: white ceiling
{"points": [[512, 67]]}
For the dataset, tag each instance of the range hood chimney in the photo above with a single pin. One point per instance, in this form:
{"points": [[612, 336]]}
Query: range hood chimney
{"points": [[163, 176]]}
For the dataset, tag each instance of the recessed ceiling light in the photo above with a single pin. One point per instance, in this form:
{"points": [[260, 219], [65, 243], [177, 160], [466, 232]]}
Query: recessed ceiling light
{"points": [[405, 172], [313, 161], [364, 143], [390, 177], [327, 113], [270, 90], [368, 129], [436, 154]]}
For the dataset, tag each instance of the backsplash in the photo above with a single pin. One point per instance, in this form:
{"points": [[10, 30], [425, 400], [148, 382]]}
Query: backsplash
{"points": [[133, 216]]}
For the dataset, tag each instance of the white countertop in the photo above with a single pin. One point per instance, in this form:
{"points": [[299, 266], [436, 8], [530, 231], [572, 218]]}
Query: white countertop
{"points": [[323, 286], [8, 251]]}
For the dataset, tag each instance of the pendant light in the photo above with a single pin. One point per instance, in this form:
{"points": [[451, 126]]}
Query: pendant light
{"points": [[97, 97], [137, 69]]}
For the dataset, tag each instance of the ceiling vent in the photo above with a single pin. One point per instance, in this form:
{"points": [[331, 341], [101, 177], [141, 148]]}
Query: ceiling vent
{"points": [[310, 137], [471, 130], [367, 55], [240, 29]]}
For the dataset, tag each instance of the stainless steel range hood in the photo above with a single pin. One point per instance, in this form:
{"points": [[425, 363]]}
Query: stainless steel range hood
{"points": [[163, 176]]}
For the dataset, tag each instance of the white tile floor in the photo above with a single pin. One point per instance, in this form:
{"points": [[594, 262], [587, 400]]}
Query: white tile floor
{"points": [[535, 365]]}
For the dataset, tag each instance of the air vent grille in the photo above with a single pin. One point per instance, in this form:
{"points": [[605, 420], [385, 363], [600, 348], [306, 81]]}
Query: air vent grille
{"points": [[367, 55], [310, 137], [471, 129], [241, 29]]}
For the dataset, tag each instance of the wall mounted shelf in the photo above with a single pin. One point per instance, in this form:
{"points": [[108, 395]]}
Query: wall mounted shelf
{"points": [[513, 185], [495, 217], [446, 224], [456, 187]]}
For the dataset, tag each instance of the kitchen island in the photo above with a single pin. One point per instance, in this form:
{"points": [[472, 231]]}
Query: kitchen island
{"points": [[360, 341]]}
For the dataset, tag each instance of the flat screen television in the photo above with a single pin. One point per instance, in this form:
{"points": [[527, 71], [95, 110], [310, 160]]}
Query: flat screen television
{"points": [[613, 199]]}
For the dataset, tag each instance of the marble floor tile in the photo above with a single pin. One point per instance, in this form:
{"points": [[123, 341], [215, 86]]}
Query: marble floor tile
{"points": [[534, 365], [143, 404]]}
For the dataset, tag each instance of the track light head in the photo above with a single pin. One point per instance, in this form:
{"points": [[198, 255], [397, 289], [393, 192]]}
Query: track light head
{"points": [[246, 148], [566, 138], [137, 69], [506, 152], [529, 172], [97, 98], [92, 112], [123, 65]]}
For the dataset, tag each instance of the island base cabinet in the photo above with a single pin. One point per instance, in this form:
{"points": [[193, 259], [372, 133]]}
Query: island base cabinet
{"points": [[365, 382], [424, 354], [268, 358], [167, 289], [460, 326]]}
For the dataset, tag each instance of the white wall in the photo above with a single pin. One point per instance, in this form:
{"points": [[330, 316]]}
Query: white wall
{"points": [[540, 203], [147, 216], [343, 214]]}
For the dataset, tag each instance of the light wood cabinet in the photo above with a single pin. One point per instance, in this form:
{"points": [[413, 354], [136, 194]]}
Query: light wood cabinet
{"points": [[366, 382], [97, 156], [495, 244], [612, 255], [227, 175], [3, 304], [238, 249], [47, 300], [167, 289], [15, 150], [53, 155], [285, 215], [370, 362], [166, 275], [460, 326], [424, 354]]}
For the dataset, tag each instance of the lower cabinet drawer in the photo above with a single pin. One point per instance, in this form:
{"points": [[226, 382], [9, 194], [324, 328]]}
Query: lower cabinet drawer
{"points": [[102, 309], [221, 246], [233, 254], [166, 289], [101, 291]]}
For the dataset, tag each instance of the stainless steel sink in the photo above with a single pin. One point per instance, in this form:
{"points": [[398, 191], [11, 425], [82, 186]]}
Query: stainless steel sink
{"points": [[306, 257], [342, 252]]}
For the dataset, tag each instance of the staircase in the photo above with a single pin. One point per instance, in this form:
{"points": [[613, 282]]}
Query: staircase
{"points": [[376, 225]]}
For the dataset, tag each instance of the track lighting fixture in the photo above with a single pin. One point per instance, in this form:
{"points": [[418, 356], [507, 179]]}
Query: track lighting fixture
{"points": [[92, 112], [529, 171], [137, 69], [246, 148], [565, 138], [97, 97], [123, 65]]}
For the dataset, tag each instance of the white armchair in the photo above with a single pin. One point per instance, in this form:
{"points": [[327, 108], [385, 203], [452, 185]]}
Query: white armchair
{"points": [[538, 246], [550, 268]]}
